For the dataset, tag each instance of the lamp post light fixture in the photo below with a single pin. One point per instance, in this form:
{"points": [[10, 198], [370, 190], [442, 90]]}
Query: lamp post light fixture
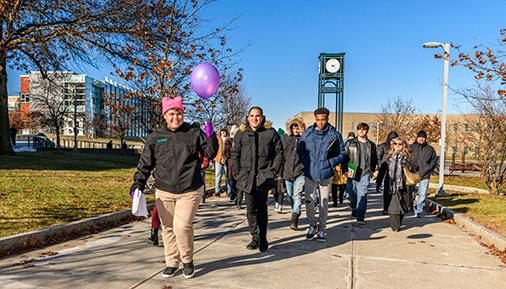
{"points": [[446, 57]]}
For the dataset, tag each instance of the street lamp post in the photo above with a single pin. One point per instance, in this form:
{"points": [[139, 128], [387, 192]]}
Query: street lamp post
{"points": [[75, 116], [446, 57]]}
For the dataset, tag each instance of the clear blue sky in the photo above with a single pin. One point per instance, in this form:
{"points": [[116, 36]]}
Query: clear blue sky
{"points": [[382, 41]]}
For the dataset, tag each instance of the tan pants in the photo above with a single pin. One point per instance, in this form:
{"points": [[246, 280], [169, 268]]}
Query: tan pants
{"points": [[176, 213]]}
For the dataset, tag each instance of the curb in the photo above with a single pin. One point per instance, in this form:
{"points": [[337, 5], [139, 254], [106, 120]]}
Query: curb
{"points": [[461, 189], [485, 235], [60, 233]]}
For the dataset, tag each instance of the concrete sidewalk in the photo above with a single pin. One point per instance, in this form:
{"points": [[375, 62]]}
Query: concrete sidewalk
{"points": [[427, 253]]}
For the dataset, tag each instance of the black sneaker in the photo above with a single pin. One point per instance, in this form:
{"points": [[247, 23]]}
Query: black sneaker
{"points": [[169, 272], [311, 232], [188, 270], [253, 245], [264, 245]]}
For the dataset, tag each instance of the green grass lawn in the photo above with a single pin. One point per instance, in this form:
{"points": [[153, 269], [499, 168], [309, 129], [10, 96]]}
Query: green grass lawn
{"points": [[488, 210], [43, 189], [475, 182]]}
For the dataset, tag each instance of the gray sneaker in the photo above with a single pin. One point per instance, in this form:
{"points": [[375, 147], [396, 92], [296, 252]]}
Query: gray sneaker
{"points": [[311, 232], [322, 237]]}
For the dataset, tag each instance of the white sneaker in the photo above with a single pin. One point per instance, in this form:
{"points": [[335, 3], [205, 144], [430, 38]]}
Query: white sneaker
{"points": [[322, 237]]}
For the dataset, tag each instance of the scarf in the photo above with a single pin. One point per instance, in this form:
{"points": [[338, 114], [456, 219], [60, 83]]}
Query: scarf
{"points": [[395, 171]]}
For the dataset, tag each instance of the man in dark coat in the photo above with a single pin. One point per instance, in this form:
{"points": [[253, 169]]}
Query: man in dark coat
{"points": [[360, 155], [257, 156], [383, 176], [426, 159]]}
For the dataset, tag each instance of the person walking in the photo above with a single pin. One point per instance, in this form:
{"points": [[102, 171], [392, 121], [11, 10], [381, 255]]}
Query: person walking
{"points": [[397, 160], [320, 150], [13, 132], [155, 226], [383, 179], [257, 155], [172, 152], [360, 165], [293, 170], [338, 186], [426, 159], [221, 163]]}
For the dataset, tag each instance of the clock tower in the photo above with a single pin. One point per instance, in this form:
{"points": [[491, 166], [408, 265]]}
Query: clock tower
{"points": [[331, 81]]}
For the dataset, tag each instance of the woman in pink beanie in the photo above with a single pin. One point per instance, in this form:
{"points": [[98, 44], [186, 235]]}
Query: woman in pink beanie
{"points": [[172, 151]]}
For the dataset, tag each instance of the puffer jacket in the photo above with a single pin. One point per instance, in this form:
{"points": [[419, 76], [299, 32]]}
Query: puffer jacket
{"points": [[292, 166], [320, 151], [257, 158], [426, 158], [175, 157], [352, 151]]}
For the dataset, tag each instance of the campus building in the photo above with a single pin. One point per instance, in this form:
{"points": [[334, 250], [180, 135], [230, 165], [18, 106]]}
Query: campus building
{"points": [[83, 98], [457, 126]]}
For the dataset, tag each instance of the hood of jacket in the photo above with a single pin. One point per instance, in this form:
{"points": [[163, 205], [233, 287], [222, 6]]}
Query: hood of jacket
{"points": [[298, 121], [391, 135]]}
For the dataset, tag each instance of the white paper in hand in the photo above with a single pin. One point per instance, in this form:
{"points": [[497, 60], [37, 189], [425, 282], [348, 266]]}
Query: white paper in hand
{"points": [[139, 207]]}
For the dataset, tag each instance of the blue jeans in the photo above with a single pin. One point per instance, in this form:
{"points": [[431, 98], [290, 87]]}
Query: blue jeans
{"points": [[219, 169], [294, 190], [423, 187], [358, 195]]}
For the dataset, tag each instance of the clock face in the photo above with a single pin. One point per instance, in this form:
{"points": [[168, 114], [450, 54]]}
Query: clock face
{"points": [[332, 65]]}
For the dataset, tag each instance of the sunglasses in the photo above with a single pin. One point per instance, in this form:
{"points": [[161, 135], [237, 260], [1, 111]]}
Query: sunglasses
{"points": [[397, 143]]}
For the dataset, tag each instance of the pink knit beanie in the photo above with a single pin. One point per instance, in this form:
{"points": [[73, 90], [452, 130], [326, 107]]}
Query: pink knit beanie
{"points": [[170, 103]]}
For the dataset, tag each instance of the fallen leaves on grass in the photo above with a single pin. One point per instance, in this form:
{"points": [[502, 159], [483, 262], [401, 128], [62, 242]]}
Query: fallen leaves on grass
{"points": [[48, 253], [496, 252]]}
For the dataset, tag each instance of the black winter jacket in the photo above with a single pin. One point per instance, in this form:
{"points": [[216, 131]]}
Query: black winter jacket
{"points": [[292, 167], [352, 154], [257, 157], [174, 156], [426, 157], [382, 157]]}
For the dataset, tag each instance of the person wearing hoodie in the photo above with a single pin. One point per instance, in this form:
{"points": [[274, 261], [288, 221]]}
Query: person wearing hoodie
{"points": [[293, 170], [362, 158], [383, 179], [172, 153], [320, 150], [426, 158], [257, 156]]}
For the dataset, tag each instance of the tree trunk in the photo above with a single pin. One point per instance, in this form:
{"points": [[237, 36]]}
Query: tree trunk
{"points": [[57, 137], [5, 142]]}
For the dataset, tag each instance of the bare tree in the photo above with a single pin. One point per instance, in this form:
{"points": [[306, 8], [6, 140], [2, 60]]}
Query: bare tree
{"points": [[489, 135], [47, 96], [119, 114], [401, 116], [51, 35]]}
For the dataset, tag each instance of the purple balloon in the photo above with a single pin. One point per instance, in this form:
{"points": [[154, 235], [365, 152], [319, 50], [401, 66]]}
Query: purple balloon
{"points": [[205, 80]]}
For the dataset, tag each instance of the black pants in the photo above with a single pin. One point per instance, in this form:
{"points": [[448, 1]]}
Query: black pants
{"points": [[386, 192], [341, 189], [278, 191], [396, 221], [256, 213]]}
